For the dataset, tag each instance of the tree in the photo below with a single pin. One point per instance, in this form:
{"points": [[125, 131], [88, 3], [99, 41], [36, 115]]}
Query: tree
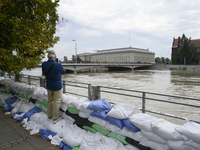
{"points": [[27, 32], [157, 60], [186, 51]]}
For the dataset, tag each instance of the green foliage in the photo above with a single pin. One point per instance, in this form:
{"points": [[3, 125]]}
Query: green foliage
{"points": [[186, 51], [27, 32]]}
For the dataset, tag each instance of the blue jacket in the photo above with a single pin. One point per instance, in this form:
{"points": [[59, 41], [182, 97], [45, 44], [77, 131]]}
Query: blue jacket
{"points": [[53, 79]]}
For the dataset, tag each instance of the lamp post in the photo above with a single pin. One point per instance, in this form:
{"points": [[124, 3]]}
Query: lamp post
{"points": [[75, 49]]}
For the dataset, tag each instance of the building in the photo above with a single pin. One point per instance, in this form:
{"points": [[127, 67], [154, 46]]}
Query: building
{"points": [[176, 44], [85, 57], [122, 55]]}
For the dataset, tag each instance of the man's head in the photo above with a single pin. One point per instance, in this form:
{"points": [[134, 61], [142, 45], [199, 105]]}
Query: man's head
{"points": [[52, 54]]}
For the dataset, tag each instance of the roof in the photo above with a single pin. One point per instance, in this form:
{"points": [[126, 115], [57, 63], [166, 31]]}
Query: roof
{"points": [[83, 54], [196, 42], [126, 49], [175, 43]]}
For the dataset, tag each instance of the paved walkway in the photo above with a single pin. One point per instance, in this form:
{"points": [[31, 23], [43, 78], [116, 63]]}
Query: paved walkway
{"points": [[14, 137]]}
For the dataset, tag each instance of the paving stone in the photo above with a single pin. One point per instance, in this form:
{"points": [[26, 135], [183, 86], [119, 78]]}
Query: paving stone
{"points": [[8, 137], [2, 146], [20, 140], [13, 143], [21, 146], [40, 143], [6, 128]]}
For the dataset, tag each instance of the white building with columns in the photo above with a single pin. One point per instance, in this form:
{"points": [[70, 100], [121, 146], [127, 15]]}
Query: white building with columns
{"points": [[122, 55]]}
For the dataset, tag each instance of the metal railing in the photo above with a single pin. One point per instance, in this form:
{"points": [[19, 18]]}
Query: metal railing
{"points": [[99, 90]]}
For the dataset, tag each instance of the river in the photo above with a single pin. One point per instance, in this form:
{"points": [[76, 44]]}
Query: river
{"points": [[172, 82]]}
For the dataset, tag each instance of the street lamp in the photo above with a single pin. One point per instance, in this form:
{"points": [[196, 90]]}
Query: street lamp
{"points": [[75, 49]]}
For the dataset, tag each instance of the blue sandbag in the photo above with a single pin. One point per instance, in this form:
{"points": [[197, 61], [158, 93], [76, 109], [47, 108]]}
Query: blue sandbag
{"points": [[65, 146], [130, 126], [8, 108], [116, 122], [15, 114], [100, 105], [11, 100], [101, 115], [29, 114], [15, 93], [46, 133]]}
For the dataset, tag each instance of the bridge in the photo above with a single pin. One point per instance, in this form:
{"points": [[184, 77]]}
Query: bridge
{"points": [[73, 67]]}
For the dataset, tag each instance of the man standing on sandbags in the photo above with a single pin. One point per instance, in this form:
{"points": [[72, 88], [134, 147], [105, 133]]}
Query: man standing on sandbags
{"points": [[53, 70]]}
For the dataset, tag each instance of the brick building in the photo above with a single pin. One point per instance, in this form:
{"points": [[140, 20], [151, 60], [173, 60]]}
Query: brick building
{"points": [[178, 42]]}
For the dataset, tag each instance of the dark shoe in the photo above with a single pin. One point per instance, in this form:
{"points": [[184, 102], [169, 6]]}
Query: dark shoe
{"points": [[55, 121]]}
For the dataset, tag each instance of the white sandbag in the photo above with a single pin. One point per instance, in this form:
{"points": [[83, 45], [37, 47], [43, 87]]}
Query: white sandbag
{"points": [[63, 106], [111, 127], [120, 146], [154, 145], [83, 107], [67, 99], [190, 130], [192, 144], [26, 107], [55, 140], [90, 141], [121, 111], [68, 118], [166, 130], [79, 102], [60, 128], [154, 137], [99, 121], [84, 114], [106, 144], [131, 147], [74, 136], [40, 117], [17, 115], [142, 121], [178, 145], [18, 105], [137, 136]]}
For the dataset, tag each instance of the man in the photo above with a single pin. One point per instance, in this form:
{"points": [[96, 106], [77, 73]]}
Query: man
{"points": [[53, 70]]}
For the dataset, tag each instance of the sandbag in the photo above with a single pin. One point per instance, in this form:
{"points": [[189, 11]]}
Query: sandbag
{"points": [[100, 105], [131, 147], [68, 118], [192, 144], [74, 136], [142, 121], [100, 129], [80, 122], [74, 116], [166, 130], [118, 137], [111, 127], [67, 99], [190, 130], [84, 114], [40, 118], [154, 145], [121, 111], [133, 135], [106, 144], [130, 126], [83, 107], [90, 141], [178, 145], [29, 113], [60, 128], [79, 102], [120, 146], [119, 123], [97, 121], [65, 146], [101, 115], [73, 110], [154, 137]]}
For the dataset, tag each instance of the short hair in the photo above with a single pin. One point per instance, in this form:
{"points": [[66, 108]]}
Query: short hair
{"points": [[51, 56]]}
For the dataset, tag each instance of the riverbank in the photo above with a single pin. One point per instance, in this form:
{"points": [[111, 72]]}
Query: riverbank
{"points": [[174, 67]]}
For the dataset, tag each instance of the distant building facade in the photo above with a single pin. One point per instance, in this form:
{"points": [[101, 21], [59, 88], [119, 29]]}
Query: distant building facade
{"points": [[176, 44], [85, 57], [122, 55]]}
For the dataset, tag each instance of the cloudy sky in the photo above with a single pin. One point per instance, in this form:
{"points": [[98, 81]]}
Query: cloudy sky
{"points": [[108, 24]]}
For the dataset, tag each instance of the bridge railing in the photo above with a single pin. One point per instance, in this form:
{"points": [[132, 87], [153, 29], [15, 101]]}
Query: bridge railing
{"points": [[112, 93]]}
